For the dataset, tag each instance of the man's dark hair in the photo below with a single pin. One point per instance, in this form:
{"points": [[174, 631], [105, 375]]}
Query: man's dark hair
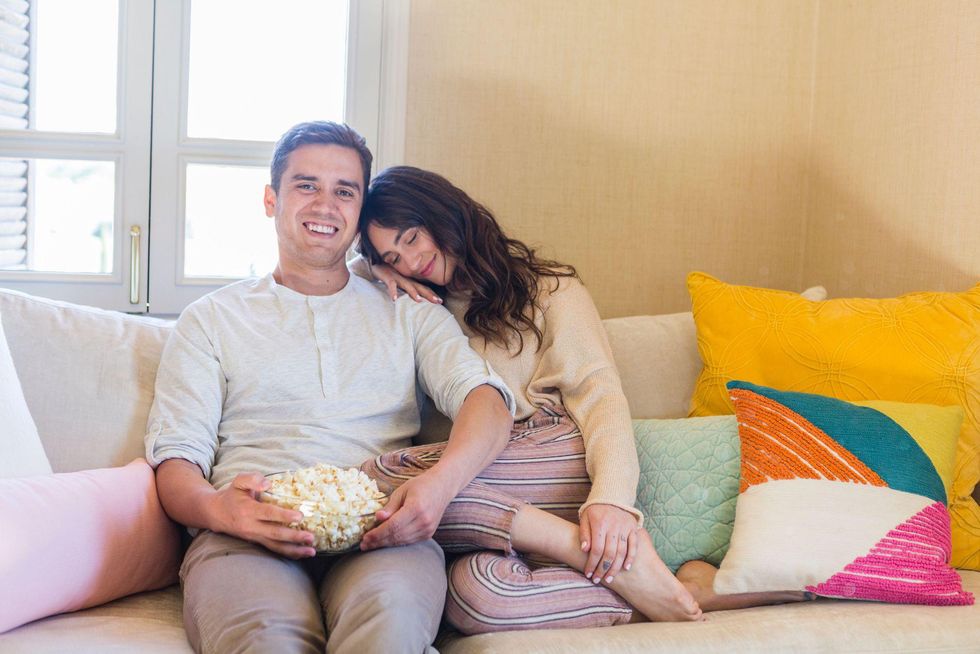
{"points": [[320, 132]]}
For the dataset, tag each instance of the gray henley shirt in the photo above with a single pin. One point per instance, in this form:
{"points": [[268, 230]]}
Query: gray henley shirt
{"points": [[257, 377]]}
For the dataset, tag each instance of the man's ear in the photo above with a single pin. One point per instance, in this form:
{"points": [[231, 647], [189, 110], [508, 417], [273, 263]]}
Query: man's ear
{"points": [[270, 201]]}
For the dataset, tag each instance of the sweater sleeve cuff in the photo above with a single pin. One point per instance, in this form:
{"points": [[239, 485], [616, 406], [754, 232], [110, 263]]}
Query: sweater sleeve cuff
{"points": [[632, 510]]}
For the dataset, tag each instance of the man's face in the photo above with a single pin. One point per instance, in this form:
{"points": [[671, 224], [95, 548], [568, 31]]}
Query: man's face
{"points": [[317, 206]]}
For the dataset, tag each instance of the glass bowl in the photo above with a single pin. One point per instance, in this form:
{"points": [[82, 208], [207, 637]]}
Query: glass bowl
{"points": [[334, 531]]}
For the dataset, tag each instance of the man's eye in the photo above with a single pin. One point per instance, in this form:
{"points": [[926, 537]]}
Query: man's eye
{"points": [[306, 187], [347, 193]]}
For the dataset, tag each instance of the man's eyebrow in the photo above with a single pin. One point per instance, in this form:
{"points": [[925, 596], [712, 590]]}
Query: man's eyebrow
{"points": [[346, 182], [299, 177]]}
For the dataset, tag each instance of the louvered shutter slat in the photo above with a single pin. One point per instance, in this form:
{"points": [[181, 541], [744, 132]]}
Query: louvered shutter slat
{"points": [[14, 115], [12, 214], [12, 227]]}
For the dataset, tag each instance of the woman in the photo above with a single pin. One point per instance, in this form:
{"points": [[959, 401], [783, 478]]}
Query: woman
{"points": [[571, 457]]}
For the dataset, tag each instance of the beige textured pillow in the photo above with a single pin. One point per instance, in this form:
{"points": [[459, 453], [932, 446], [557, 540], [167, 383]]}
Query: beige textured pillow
{"points": [[658, 360], [87, 376], [22, 452]]}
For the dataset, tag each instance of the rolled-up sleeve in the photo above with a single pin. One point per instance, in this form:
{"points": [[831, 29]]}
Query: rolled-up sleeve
{"points": [[448, 368], [190, 390]]}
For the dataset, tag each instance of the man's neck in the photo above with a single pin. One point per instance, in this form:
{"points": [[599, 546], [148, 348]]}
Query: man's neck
{"points": [[312, 282]]}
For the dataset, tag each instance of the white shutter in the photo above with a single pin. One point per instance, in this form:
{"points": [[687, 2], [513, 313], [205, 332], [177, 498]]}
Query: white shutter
{"points": [[14, 58]]}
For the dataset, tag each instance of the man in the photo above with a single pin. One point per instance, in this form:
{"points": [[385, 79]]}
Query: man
{"points": [[307, 365]]}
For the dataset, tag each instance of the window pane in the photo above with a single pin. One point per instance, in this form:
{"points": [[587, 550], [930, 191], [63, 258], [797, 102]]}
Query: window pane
{"points": [[278, 64], [67, 227], [226, 231], [74, 70]]}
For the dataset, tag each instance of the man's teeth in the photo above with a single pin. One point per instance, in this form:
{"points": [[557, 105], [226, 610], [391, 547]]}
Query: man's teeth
{"points": [[321, 229]]}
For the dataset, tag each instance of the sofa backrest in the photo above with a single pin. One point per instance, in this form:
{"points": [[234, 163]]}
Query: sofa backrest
{"points": [[88, 374]]}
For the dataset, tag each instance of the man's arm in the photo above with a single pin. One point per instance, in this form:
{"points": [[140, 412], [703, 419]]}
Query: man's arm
{"points": [[181, 443], [480, 432], [188, 498]]}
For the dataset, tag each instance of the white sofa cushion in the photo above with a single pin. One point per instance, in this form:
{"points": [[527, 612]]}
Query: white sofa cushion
{"points": [[23, 454], [87, 375], [820, 626], [150, 623]]}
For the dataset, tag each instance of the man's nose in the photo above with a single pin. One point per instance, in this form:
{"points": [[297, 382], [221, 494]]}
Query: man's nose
{"points": [[323, 203]]}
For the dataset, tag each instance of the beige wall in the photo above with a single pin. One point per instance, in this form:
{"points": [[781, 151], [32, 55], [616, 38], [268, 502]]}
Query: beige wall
{"points": [[768, 142], [636, 140], [894, 199]]}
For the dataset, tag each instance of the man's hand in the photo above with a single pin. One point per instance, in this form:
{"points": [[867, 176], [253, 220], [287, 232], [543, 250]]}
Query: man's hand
{"points": [[412, 514], [235, 510], [608, 534]]}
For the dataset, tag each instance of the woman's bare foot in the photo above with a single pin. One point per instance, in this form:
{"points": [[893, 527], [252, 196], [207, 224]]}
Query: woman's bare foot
{"points": [[652, 590], [648, 586], [698, 577]]}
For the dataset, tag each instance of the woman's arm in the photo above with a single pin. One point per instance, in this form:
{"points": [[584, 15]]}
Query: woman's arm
{"points": [[392, 280], [577, 360]]}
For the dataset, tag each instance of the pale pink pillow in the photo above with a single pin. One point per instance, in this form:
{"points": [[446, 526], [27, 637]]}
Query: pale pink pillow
{"points": [[80, 539]]}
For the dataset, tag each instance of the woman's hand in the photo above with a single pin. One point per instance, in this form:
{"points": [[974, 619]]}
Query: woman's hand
{"points": [[394, 281], [608, 534]]}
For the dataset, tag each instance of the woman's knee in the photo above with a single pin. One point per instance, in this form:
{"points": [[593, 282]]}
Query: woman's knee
{"points": [[474, 603]]}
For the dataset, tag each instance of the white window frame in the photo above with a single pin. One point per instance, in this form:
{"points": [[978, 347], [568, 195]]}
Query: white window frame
{"points": [[128, 148], [153, 59]]}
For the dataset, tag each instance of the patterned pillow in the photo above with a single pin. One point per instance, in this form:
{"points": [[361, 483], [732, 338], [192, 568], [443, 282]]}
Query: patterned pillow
{"points": [[689, 471], [917, 348], [843, 499]]}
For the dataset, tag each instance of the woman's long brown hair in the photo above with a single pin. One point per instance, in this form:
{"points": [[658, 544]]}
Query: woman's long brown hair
{"points": [[502, 275]]}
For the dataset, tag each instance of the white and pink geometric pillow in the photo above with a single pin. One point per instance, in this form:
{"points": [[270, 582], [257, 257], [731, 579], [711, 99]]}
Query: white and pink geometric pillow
{"points": [[843, 499]]}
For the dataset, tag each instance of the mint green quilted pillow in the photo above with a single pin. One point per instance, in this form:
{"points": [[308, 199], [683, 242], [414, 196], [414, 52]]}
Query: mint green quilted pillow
{"points": [[689, 476]]}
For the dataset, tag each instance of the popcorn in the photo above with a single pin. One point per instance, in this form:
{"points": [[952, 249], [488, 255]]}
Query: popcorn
{"points": [[338, 504]]}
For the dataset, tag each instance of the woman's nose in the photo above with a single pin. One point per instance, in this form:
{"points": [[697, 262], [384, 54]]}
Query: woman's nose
{"points": [[416, 262]]}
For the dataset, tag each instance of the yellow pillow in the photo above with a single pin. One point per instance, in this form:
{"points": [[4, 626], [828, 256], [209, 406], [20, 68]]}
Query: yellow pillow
{"points": [[919, 347]]}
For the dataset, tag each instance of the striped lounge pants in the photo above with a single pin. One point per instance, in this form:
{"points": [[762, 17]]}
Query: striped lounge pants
{"points": [[490, 587]]}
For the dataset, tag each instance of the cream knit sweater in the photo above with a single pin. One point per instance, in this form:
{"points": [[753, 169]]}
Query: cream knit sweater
{"points": [[573, 368]]}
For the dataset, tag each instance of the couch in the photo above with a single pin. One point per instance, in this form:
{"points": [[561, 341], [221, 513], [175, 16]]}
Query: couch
{"points": [[87, 376]]}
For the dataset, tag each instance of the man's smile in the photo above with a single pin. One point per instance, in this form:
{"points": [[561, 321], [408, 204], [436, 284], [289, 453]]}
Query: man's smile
{"points": [[320, 229]]}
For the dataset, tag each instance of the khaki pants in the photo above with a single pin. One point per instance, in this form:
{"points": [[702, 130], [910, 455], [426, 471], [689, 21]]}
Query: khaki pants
{"points": [[240, 597]]}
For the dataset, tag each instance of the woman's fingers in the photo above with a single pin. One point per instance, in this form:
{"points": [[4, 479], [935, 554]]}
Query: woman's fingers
{"points": [[585, 531], [592, 569], [631, 544], [616, 543], [392, 288]]}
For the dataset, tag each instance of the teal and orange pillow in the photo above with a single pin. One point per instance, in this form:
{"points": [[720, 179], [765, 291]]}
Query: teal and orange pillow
{"points": [[843, 499], [917, 348]]}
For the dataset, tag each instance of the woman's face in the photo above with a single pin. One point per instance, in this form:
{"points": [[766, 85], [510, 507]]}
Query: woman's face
{"points": [[413, 253]]}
